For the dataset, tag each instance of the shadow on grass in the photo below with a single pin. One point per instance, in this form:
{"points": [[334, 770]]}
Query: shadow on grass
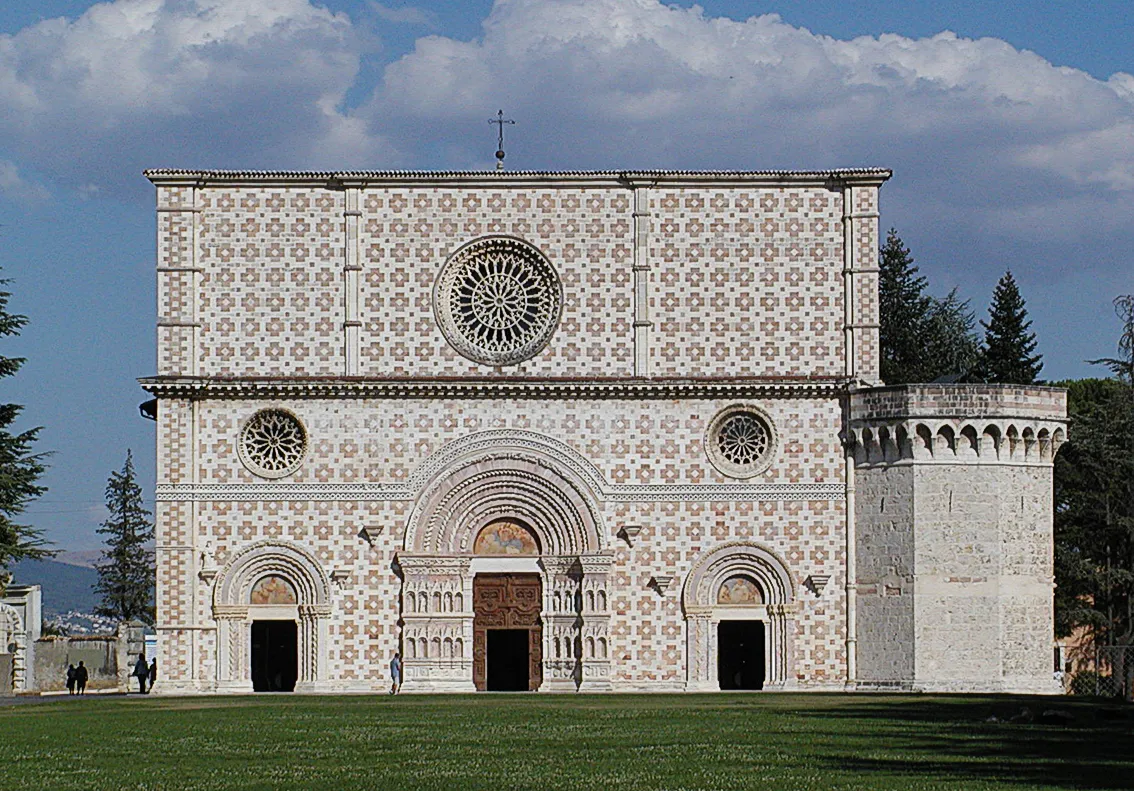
{"points": [[994, 739]]}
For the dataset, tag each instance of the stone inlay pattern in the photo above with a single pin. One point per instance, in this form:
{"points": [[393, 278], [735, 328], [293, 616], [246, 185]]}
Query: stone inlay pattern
{"points": [[498, 300], [741, 441], [273, 443]]}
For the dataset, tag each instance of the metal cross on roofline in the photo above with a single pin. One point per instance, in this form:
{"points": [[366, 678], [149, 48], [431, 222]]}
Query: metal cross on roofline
{"points": [[500, 120]]}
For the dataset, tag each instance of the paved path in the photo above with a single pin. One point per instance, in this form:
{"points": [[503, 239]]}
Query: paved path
{"points": [[21, 700]]}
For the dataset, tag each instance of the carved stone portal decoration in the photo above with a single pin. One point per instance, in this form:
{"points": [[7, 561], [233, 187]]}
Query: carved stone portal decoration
{"points": [[498, 300], [741, 441], [272, 443], [741, 569], [260, 577], [507, 601]]}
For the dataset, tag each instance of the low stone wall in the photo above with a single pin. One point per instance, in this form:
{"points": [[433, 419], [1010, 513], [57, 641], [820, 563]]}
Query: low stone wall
{"points": [[108, 658]]}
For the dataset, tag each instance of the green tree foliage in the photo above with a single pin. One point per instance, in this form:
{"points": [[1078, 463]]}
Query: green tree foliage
{"points": [[922, 338], [20, 467], [902, 308], [1094, 501], [1008, 345], [952, 347], [126, 570]]}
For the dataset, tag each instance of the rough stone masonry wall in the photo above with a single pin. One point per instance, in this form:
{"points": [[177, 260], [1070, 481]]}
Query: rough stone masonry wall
{"points": [[983, 578], [884, 510]]}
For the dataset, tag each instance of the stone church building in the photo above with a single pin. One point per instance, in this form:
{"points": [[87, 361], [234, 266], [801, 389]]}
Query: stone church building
{"points": [[573, 431]]}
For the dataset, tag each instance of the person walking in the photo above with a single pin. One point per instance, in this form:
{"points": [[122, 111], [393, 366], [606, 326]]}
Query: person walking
{"points": [[153, 673], [70, 679], [81, 676], [142, 672], [395, 673]]}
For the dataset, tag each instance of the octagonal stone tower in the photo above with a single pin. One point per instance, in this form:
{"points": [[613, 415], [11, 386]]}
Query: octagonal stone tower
{"points": [[952, 492]]}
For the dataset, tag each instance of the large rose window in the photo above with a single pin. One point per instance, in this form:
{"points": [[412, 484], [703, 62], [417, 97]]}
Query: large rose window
{"points": [[498, 300]]}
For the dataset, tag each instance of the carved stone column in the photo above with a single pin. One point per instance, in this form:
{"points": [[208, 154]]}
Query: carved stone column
{"points": [[437, 624], [780, 636], [313, 648], [700, 653], [595, 632], [562, 603], [233, 641]]}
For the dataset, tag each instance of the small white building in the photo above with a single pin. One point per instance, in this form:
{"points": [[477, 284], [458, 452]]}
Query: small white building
{"points": [[573, 431]]}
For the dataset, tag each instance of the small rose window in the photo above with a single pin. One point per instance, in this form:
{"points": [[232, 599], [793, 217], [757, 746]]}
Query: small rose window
{"points": [[273, 443], [741, 441]]}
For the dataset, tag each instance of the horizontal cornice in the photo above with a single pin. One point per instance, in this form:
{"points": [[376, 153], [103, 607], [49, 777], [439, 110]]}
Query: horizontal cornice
{"points": [[200, 388], [173, 176]]}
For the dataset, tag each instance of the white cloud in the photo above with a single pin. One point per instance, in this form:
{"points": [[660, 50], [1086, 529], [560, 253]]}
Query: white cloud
{"points": [[991, 137], [629, 83], [137, 83]]}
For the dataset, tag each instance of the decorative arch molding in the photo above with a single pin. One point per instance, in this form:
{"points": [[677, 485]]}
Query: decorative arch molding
{"points": [[516, 440], [703, 613], [749, 558], [1003, 441], [523, 482], [282, 558], [234, 614]]}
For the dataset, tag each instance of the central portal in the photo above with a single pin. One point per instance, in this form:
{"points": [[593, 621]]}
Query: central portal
{"points": [[507, 632]]}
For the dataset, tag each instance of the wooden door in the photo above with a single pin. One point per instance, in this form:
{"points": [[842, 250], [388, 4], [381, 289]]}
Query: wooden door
{"points": [[507, 601]]}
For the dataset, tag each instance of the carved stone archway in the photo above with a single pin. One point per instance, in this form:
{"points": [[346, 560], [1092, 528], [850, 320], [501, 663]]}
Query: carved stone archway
{"points": [[527, 482], [234, 612], [703, 613]]}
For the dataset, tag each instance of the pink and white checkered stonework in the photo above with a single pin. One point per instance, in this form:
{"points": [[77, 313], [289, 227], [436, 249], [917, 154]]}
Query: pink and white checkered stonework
{"points": [[656, 393]]}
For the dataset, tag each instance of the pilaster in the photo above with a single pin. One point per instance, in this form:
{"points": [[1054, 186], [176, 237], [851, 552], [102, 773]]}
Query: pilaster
{"points": [[351, 268], [642, 321]]}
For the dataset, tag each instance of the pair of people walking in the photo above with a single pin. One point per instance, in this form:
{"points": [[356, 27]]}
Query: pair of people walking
{"points": [[145, 673], [77, 679]]}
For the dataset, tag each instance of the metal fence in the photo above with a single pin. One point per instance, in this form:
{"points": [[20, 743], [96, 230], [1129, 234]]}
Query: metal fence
{"points": [[1108, 673]]}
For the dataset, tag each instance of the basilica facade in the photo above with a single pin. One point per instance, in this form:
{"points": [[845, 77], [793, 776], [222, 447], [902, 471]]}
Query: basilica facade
{"points": [[582, 431]]}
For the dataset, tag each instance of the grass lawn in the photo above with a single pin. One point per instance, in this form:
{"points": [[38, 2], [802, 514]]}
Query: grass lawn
{"points": [[497, 742]]}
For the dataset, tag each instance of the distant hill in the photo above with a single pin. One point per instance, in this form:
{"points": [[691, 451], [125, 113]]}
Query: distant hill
{"points": [[65, 587]]}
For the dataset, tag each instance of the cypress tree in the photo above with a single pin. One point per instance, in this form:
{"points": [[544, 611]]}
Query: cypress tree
{"points": [[903, 307], [20, 468], [126, 570], [1007, 355]]}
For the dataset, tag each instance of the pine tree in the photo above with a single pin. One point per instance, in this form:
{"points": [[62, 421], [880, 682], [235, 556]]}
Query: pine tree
{"points": [[903, 307], [20, 468], [1007, 355], [952, 347], [126, 570]]}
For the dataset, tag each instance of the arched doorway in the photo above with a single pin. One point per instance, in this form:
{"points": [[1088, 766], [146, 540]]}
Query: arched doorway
{"points": [[741, 644], [507, 629], [274, 656], [740, 606], [272, 604], [490, 527]]}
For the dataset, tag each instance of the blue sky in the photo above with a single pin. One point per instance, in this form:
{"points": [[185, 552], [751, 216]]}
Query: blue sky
{"points": [[1011, 137]]}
